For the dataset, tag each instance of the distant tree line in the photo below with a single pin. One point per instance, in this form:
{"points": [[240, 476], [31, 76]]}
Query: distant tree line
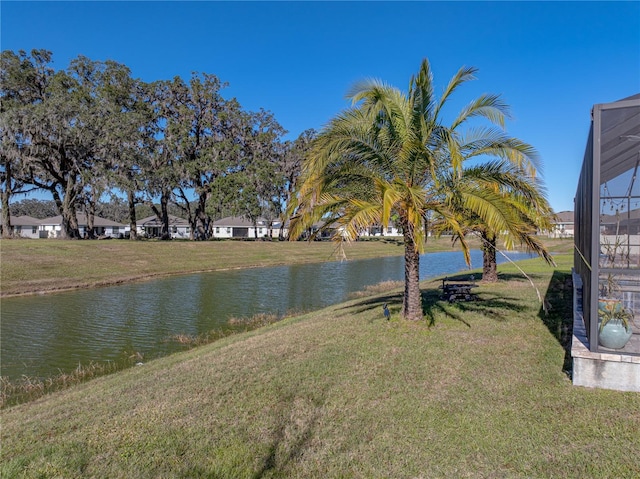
{"points": [[92, 131], [115, 209]]}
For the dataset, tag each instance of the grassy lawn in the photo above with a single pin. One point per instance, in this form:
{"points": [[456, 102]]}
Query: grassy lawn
{"points": [[476, 390]]}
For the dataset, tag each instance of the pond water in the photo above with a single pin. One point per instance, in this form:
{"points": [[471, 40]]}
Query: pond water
{"points": [[47, 334]]}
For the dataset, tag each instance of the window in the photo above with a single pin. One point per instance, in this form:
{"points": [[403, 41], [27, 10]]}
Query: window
{"points": [[116, 230], [34, 230], [217, 229], [228, 230]]}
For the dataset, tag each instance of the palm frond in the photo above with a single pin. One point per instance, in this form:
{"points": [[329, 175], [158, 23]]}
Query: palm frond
{"points": [[497, 144], [421, 94], [488, 106], [463, 75]]}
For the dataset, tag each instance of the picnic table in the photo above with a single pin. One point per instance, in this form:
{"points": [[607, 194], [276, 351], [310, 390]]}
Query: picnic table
{"points": [[453, 292]]}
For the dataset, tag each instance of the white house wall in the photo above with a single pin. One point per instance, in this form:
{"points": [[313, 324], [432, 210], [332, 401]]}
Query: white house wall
{"points": [[180, 232], [55, 231], [222, 232], [26, 231], [562, 231], [175, 232], [393, 231], [226, 232], [634, 243], [52, 231]]}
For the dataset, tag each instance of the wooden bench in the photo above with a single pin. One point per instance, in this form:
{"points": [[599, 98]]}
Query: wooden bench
{"points": [[453, 292]]}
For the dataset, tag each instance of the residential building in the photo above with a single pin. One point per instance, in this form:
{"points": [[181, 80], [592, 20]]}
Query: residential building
{"points": [[102, 227], [25, 226], [378, 230], [563, 225], [239, 227], [151, 227]]}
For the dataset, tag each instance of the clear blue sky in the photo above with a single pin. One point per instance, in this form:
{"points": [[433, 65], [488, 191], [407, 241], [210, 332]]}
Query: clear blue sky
{"points": [[551, 61]]}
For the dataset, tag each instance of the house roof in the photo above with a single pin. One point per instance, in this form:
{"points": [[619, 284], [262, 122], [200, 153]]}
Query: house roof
{"points": [[82, 221], [154, 221], [24, 221], [564, 217], [622, 218]]}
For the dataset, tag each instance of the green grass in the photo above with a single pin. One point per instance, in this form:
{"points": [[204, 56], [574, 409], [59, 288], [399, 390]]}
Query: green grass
{"points": [[343, 393]]}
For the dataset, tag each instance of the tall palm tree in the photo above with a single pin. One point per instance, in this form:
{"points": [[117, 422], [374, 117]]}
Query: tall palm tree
{"points": [[387, 154]]}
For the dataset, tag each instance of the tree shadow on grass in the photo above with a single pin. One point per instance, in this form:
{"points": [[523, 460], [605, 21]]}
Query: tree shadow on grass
{"points": [[557, 313], [393, 300], [292, 435], [492, 306], [486, 303]]}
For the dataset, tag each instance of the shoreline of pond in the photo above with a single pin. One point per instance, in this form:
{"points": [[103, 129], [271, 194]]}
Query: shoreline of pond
{"points": [[51, 266], [26, 388], [131, 280], [34, 386], [45, 267]]}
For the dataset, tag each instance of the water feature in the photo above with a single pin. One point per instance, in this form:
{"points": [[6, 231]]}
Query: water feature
{"points": [[45, 334]]}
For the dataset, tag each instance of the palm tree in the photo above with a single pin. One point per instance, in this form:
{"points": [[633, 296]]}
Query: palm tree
{"points": [[499, 199], [387, 155]]}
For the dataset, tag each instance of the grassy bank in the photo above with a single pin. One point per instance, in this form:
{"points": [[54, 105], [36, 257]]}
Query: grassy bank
{"points": [[26, 388], [36, 266], [343, 393], [30, 266]]}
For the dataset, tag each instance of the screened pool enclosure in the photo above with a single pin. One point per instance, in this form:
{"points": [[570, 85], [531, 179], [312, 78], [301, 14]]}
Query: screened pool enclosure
{"points": [[607, 230]]}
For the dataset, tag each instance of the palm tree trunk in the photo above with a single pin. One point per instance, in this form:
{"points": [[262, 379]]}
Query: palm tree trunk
{"points": [[489, 262], [412, 300]]}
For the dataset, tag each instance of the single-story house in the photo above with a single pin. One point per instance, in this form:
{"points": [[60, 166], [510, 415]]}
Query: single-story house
{"points": [[335, 229], [101, 227], [323, 231], [151, 227], [563, 225], [239, 227], [25, 226], [378, 230]]}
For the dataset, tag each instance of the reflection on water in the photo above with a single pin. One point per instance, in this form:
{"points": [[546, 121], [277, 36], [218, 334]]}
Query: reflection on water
{"points": [[43, 335]]}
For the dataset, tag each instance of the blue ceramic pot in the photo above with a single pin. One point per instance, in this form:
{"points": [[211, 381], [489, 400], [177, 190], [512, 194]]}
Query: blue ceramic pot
{"points": [[614, 335]]}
